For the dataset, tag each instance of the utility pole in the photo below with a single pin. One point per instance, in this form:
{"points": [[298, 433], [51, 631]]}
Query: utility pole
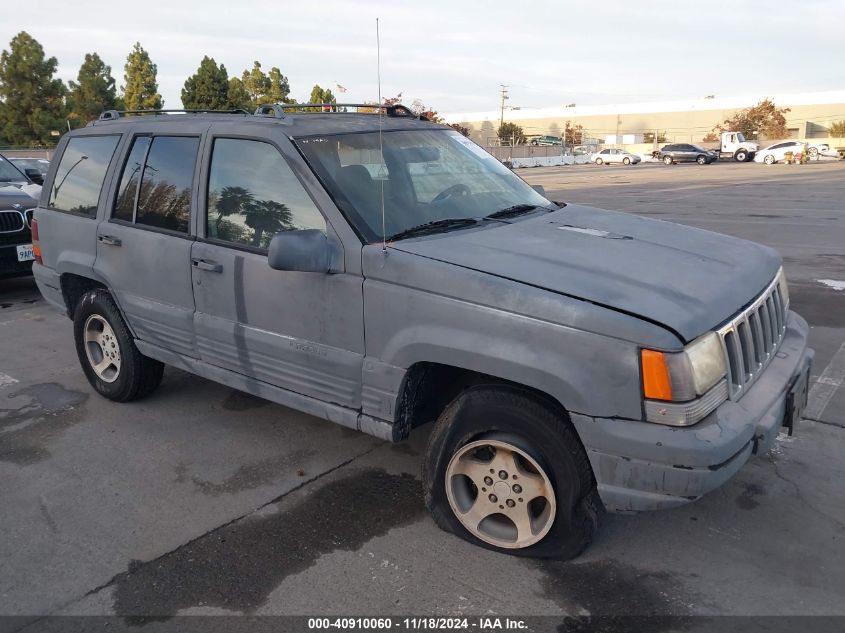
{"points": [[504, 95]]}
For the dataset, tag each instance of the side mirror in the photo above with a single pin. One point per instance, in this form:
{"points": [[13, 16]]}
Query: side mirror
{"points": [[539, 189], [35, 176], [305, 251]]}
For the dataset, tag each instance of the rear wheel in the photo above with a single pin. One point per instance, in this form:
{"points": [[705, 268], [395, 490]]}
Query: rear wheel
{"points": [[769, 159], [813, 152], [506, 471], [667, 160], [107, 352]]}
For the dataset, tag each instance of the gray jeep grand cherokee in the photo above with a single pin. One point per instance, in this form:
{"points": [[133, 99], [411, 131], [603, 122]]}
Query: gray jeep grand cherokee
{"points": [[381, 271]]}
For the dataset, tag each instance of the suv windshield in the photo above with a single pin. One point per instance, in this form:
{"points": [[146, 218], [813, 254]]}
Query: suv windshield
{"points": [[10, 173], [427, 176]]}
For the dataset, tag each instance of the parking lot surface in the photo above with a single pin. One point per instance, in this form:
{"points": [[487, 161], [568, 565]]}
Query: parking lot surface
{"points": [[200, 499]]}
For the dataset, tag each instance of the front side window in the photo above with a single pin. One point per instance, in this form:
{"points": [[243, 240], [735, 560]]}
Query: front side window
{"points": [[155, 186], [425, 175], [10, 173], [80, 175], [253, 194]]}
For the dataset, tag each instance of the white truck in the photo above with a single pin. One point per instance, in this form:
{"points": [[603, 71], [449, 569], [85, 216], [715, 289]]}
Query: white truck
{"points": [[733, 145]]}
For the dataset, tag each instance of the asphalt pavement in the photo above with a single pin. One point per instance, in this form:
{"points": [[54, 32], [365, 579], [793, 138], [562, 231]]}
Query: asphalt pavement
{"points": [[203, 500]]}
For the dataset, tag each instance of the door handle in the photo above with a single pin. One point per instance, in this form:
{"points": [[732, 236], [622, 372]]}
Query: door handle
{"points": [[108, 239], [202, 264]]}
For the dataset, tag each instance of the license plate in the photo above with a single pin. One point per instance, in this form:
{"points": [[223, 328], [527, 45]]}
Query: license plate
{"points": [[25, 253], [796, 399]]}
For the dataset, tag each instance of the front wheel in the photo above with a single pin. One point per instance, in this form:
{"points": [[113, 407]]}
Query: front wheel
{"points": [[667, 160], [741, 156], [701, 160], [769, 160], [599, 161], [506, 471], [107, 351], [626, 161]]}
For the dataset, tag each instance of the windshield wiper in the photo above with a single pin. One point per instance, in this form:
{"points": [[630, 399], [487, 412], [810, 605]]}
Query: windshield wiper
{"points": [[510, 212], [437, 226]]}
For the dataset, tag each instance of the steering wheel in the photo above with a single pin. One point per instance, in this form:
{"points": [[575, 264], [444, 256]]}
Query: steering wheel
{"points": [[455, 190]]}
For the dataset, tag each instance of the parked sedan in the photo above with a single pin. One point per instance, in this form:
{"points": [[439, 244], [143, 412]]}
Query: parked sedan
{"points": [[686, 153], [774, 153], [41, 164], [608, 156]]}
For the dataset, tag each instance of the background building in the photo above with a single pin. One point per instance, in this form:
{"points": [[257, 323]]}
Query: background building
{"points": [[810, 116]]}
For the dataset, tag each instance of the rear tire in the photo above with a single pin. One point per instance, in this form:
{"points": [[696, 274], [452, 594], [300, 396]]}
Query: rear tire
{"points": [[512, 427], [107, 352], [667, 160]]}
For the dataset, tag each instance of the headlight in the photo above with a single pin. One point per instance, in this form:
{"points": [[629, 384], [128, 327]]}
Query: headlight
{"points": [[680, 388]]}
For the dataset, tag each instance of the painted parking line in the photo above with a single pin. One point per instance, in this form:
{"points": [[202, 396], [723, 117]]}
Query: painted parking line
{"points": [[825, 387]]}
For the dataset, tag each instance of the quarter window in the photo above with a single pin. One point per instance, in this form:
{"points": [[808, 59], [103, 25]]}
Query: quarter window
{"points": [[80, 175], [253, 194], [155, 187]]}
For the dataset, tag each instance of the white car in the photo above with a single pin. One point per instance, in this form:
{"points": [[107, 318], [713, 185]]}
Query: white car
{"points": [[608, 156], [821, 149], [774, 153]]}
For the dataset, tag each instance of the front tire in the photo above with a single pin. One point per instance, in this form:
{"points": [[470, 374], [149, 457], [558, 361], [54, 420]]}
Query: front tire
{"points": [[769, 159], [701, 160], [599, 161], [741, 156], [626, 161], [667, 160], [107, 352], [505, 470]]}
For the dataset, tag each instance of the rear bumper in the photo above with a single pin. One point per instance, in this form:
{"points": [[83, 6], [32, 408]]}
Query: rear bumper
{"points": [[50, 286], [646, 466]]}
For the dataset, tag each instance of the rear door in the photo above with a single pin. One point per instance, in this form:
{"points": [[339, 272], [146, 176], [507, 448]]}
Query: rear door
{"points": [[144, 244], [300, 331]]}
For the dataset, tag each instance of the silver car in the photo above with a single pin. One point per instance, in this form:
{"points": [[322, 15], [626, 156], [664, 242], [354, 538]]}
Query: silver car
{"points": [[612, 155], [385, 274]]}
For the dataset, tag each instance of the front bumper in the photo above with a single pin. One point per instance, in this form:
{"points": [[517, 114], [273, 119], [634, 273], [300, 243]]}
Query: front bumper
{"points": [[645, 466], [9, 264]]}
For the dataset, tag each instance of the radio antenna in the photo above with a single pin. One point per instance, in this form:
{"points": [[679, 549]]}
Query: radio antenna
{"points": [[380, 146]]}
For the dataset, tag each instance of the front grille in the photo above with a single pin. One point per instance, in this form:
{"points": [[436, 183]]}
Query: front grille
{"points": [[11, 221], [751, 338], [28, 215]]}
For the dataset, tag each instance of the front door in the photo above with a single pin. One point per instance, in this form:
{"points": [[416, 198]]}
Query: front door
{"points": [[144, 244], [303, 332]]}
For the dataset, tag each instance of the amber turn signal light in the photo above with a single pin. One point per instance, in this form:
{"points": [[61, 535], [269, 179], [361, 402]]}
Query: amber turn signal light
{"points": [[656, 382]]}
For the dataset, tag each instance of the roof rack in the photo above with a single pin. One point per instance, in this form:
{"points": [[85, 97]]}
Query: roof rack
{"points": [[277, 110], [110, 115]]}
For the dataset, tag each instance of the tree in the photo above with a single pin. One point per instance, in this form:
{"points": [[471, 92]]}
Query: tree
{"points": [[764, 118], [318, 95], [837, 129], [460, 128], [92, 92], [262, 88], [31, 100], [710, 137], [141, 89], [510, 133], [573, 135], [208, 88], [237, 96]]}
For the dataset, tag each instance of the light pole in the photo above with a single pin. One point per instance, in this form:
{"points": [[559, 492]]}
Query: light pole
{"points": [[62, 181]]}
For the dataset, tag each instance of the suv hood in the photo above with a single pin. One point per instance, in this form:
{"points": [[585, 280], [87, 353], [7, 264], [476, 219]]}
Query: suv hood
{"points": [[686, 279]]}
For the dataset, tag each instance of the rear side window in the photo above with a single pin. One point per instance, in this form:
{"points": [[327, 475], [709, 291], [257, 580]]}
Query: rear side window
{"points": [[80, 175], [253, 194], [155, 186]]}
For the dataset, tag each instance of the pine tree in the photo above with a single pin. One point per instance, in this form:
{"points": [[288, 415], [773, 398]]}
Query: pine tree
{"points": [[208, 88], [31, 101], [237, 96], [279, 87], [93, 91], [256, 84], [141, 89]]}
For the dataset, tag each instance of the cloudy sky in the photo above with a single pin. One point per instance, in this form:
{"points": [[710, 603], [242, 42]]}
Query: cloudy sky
{"points": [[453, 55]]}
